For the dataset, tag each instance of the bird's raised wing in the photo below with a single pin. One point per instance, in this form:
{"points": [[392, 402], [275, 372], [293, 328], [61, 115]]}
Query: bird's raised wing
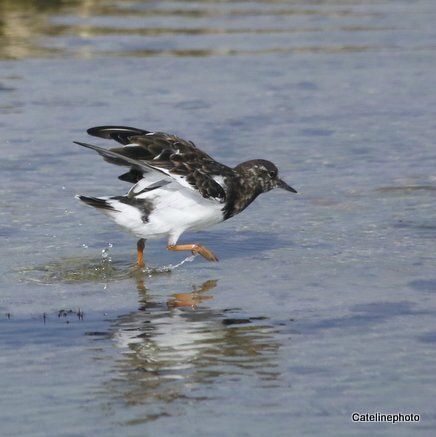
{"points": [[167, 154]]}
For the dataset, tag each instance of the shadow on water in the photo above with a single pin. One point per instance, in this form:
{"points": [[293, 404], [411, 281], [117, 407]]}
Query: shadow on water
{"points": [[173, 352], [360, 317]]}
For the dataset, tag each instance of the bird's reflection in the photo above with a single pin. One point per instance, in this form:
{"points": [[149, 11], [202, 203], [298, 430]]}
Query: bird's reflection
{"points": [[172, 350], [190, 299], [194, 298]]}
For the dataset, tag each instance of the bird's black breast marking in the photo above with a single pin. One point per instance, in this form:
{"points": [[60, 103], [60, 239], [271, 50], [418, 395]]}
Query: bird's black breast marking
{"points": [[239, 196], [143, 205]]}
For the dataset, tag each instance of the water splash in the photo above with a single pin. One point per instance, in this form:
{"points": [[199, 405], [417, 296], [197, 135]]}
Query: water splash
{"points": [[106, 264], [105, 254], [189, 258], [84, 269], [167, 269]]}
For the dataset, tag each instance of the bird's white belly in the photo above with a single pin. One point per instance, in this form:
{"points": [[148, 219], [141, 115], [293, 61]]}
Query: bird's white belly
{"points": [[174, 212]]}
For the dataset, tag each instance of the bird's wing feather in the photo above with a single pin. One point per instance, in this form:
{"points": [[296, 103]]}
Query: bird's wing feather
{"points": [[168, 154], [118, 159], [121, 134]]}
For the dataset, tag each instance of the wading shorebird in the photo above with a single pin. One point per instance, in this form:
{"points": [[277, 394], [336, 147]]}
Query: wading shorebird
{"points": [[176, 187]]}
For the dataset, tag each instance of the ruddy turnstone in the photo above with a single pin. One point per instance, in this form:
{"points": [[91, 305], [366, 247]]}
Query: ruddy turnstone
{"points": [[176, 187]]}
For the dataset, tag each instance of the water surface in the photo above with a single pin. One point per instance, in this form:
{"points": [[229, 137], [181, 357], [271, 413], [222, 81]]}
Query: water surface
{"points": [[322, 304]]}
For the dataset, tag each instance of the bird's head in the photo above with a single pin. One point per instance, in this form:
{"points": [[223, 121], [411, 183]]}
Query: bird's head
{"points": [[263, 174]]}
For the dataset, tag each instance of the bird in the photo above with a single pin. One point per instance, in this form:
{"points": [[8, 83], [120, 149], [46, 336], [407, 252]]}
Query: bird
{"points": [[176, 187]]}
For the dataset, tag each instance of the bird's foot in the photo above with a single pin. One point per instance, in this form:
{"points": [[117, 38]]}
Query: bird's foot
{"points": [[140, 254], [195, 248]]}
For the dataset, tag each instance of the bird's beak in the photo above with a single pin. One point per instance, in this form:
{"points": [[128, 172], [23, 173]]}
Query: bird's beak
{"points": [[285, 186]]}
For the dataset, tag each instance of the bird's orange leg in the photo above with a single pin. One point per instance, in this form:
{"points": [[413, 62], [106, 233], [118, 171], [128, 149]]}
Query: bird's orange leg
{"points": [[140, 253], [194, 248]]}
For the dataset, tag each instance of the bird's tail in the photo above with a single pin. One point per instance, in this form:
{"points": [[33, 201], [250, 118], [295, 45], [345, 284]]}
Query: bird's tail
{"points": [[130, 213], [96, 202]]}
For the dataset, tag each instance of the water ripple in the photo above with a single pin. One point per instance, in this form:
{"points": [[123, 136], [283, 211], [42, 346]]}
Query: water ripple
{"points": [[103, 28]]}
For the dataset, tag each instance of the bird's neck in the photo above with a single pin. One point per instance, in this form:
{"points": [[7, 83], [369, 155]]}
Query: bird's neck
{"points": [[240, 195]]}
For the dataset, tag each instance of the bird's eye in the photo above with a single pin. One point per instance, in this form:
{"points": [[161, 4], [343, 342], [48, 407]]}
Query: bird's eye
{"points": [[272, 174]]}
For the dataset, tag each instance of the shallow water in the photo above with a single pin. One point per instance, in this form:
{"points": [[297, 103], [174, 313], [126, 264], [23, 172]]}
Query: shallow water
{"points": [[322, 304]]}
